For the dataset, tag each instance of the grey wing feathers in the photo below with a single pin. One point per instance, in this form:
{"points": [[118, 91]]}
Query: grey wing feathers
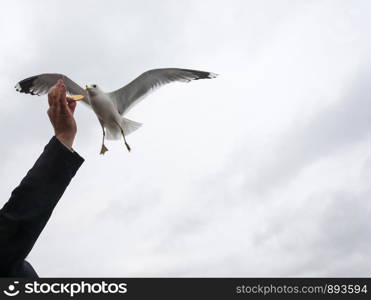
{"points": [[41, 84], [136, 90]]}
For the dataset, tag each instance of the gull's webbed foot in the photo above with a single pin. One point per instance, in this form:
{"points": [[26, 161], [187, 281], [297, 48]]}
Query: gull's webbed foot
{"points": [[127, 146], [103, 150]]}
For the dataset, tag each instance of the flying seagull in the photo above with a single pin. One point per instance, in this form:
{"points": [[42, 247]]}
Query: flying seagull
{"points": [[111, 107]]}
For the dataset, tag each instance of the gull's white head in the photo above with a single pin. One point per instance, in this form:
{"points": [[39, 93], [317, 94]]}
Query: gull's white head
{"points": [[93, 89]]}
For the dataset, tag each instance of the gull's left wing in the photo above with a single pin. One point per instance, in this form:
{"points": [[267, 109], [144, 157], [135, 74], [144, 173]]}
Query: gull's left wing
{"points": [[41, 84], [136, 90]]}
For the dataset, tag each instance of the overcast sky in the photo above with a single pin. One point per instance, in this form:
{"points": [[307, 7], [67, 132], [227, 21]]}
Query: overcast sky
{"points": [[264, 171]]}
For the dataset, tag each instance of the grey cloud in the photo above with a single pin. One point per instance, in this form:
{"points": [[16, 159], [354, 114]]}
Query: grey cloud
{"points": [[339, 126]]}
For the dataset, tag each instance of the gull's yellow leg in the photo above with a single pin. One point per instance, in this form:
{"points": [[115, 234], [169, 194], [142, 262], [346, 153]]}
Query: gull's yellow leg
{"points": [[123, 135], [104, 149]]}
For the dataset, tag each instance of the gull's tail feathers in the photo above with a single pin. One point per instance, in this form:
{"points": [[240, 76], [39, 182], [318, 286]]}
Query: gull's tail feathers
{"points": [[129, 126]]}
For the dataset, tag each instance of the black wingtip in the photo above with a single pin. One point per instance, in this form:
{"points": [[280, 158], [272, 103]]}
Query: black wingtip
{"points": [[202, 74], [212, 75], [25, 85]]}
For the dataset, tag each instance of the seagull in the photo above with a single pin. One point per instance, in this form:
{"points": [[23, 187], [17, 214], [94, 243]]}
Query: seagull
{"points": [[111, 107]]}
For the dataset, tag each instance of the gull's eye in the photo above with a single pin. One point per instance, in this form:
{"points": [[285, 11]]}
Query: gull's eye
{"points": [[94, 85]]}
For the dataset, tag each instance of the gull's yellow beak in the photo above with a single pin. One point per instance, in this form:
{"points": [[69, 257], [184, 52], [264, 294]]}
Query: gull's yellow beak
{"points": [[87, 88]]}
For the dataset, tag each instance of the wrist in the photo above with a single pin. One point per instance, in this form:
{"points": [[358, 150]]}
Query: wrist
{"points": [[67, 140]]}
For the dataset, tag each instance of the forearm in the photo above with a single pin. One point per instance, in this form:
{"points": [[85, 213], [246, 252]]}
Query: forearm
{"points": [[25, 214]]}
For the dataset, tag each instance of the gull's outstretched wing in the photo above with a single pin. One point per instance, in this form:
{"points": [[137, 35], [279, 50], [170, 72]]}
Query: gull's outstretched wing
{"points": [[136, 90], [41, 84]]}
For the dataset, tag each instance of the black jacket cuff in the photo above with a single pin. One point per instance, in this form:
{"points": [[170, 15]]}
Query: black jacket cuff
{"points": [[63, 155]]}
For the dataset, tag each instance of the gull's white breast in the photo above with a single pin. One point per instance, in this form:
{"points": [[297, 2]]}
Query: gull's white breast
{"points": [[104, 108]]}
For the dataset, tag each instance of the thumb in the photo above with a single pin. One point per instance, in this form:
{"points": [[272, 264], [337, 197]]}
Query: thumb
{"points": [[71, 104]]}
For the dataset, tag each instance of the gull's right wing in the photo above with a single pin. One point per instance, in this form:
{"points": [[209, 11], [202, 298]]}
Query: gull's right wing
{"points": [[41, 84]]}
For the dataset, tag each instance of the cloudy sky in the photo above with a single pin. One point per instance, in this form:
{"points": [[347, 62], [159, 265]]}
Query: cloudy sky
{"points": [[264, 171]]}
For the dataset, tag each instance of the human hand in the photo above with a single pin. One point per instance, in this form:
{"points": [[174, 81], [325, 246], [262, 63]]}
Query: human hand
{"points": [[60, 112]]}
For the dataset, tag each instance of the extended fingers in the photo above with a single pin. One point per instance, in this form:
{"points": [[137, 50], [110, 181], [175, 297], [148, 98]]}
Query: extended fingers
{"points": [[51, 96], [58, 102], [62, 102], [54, 93]]}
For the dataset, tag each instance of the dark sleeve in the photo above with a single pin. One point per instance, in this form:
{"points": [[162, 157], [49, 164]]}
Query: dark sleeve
{"points": [[28, 210]]}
